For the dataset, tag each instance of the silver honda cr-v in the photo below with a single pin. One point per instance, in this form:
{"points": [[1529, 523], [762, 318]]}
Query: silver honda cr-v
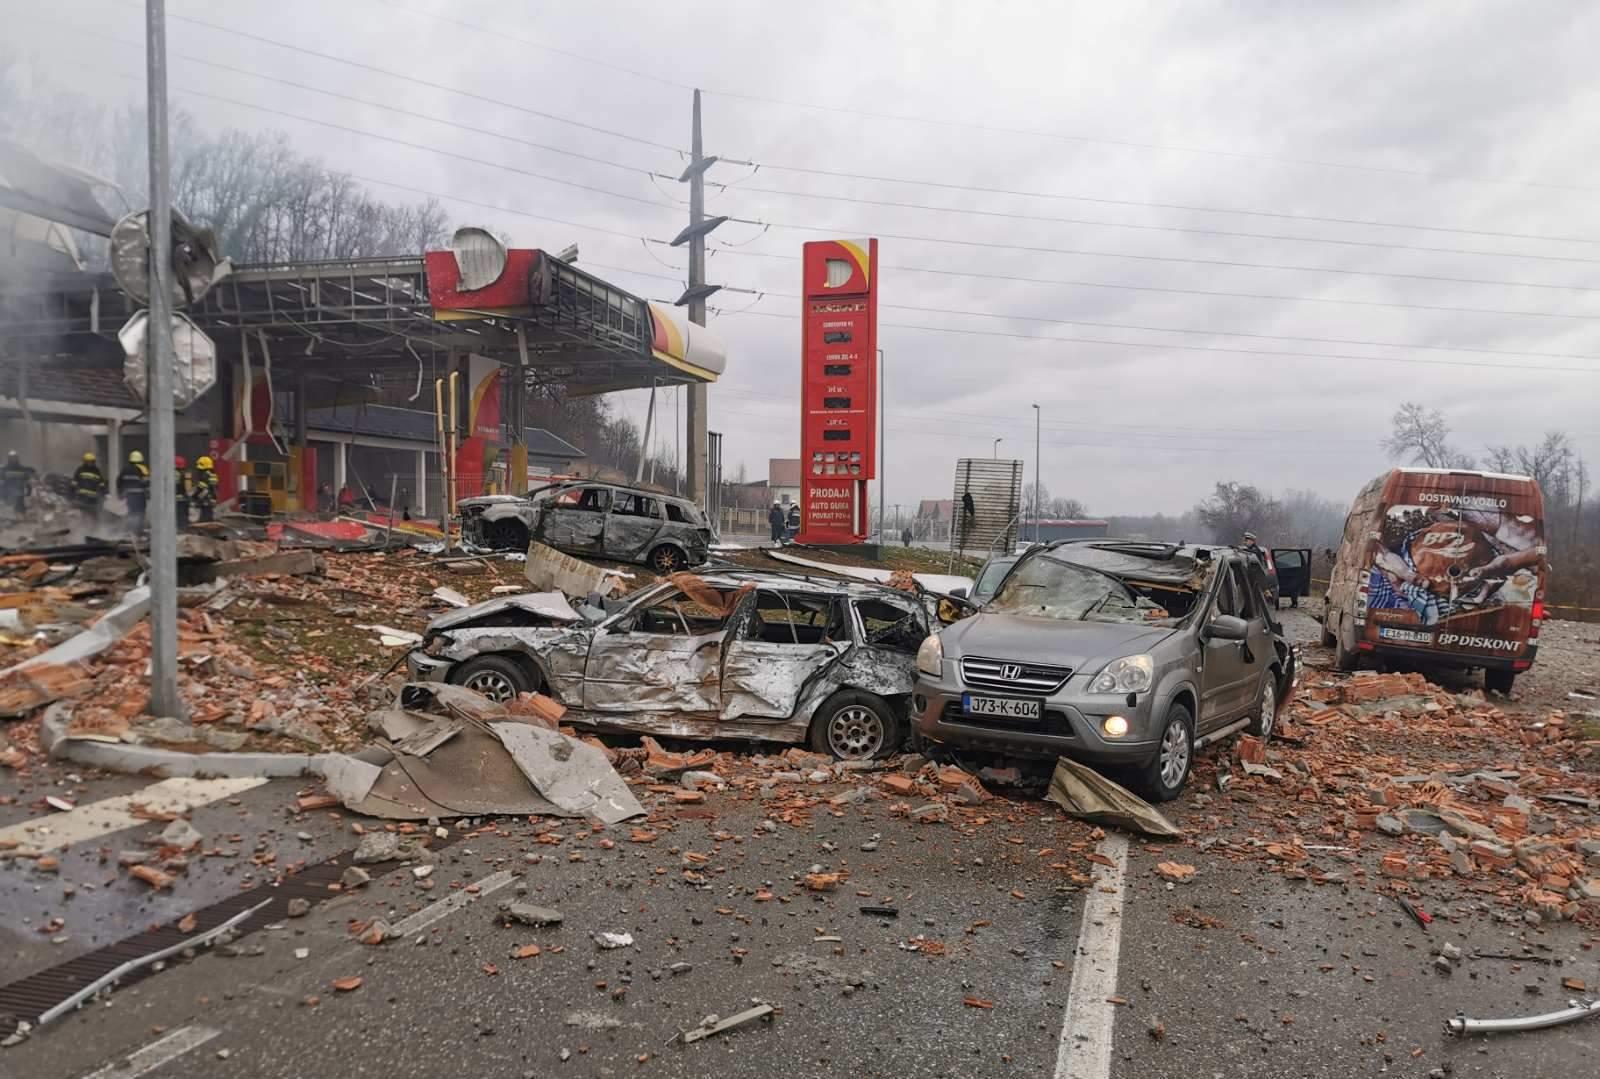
{"points": [[1114, 652]]}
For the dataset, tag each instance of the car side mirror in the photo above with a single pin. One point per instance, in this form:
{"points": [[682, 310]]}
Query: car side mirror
{"points": [[1226, 627], [959, 592]]}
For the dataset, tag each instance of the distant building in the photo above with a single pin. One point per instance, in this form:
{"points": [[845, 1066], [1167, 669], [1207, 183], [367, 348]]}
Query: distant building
{"points": [[936, 509], [783, 480], [1066, 528]]}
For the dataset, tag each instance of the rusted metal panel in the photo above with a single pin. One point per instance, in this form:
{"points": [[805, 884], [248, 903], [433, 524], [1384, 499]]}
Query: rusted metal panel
{"points": [[988, 503]]}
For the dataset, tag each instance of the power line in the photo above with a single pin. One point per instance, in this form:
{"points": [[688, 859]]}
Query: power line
{"points": [[966, 211], [422, 146], [368, 102], [1186, 207], [1211, 348], [1175, 329], [990, 244], [412, 78], [502, 34], [1188, 291]]}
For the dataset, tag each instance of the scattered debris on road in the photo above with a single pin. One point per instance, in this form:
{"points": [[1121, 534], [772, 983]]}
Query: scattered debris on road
{"points": [[713, 1025]]}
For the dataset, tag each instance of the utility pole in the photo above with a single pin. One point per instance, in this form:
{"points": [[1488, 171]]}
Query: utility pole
{"points": [[698, 398], [161, 377], [1037, 465]]}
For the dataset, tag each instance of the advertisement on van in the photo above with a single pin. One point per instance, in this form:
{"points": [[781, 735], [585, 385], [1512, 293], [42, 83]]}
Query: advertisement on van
{"points": [[1455, 571]]}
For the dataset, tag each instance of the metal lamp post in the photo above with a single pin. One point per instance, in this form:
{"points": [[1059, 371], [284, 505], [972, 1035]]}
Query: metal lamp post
{"points": [[996, 453]]}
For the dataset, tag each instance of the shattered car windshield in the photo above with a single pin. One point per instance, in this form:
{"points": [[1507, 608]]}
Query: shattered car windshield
{"points": [[1046, 586]]}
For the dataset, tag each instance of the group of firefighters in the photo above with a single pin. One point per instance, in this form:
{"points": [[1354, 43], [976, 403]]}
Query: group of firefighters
{"points": [[196, 487]]}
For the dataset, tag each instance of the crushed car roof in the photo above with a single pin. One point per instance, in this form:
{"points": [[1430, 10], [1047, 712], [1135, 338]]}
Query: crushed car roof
{"points": [[1168, 563]]}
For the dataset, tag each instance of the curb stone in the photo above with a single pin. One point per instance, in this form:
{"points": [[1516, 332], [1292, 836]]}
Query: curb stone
{"points": [[147, 760]]}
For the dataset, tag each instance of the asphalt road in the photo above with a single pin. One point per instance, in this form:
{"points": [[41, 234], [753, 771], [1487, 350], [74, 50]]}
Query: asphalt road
{"points": [[1239, 972]]}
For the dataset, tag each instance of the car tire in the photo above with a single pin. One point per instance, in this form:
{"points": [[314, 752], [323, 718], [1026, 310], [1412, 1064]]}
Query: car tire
{"points": [[1165, 775], [506, 535], [1265, 721], [1345, 656], [854, 725], [1499, 682], [498, 678], [667, 559]]}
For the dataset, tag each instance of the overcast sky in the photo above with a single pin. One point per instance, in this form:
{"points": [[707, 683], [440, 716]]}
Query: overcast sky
{"points": [[1474, 120]]}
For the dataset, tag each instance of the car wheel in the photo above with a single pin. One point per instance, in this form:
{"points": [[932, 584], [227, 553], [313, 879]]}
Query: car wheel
{"points": [[668, 559], [1499, 682], [853, 726], [496, 677], [506, 535], [1345, 656], [1167, 772], [1266, 718]]}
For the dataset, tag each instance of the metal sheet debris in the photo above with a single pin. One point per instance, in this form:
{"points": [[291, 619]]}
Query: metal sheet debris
{"points": [[574, 776], [934, 582], [1085, 793], [106, 631]]}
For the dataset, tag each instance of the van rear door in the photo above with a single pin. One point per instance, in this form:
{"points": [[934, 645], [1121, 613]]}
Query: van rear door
{"points": [[1459, 567]]}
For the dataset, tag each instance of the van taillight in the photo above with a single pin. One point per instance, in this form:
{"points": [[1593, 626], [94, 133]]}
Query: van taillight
{"points": [[1538, 611]]}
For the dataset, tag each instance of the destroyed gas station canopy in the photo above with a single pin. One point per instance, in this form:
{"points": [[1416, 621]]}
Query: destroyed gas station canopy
{"points": [[359, 320]]}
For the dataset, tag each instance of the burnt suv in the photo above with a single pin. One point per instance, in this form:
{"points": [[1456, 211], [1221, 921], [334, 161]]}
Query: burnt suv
{"points": [[596, 520], [1111, 652]]}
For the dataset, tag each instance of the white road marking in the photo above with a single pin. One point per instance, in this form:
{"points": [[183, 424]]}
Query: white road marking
{"points": [[97, 819], [157, 1053], [450, 903], [1085, 1051]]}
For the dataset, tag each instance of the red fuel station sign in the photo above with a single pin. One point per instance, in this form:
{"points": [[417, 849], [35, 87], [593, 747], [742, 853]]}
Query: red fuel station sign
{"points": [[838, 389]]}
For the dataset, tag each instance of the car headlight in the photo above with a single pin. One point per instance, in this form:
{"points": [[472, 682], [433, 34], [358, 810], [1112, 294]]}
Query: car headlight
{"points": [[1130, 674], [930, 656]]}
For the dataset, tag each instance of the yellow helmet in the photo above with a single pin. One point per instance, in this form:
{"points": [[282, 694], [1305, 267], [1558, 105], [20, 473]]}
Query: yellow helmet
{"points": [[136, 458], [204, 462], [88, 458]]}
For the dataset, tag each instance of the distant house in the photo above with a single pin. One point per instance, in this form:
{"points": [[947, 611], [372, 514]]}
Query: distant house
{"points": [[783, 480]]}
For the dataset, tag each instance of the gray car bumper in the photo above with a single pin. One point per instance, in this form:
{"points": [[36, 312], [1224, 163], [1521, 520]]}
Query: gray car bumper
{"points": [[424, 668], [1067, 729]]}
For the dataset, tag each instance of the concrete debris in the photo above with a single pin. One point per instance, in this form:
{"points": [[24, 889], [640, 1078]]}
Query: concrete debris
{"points": [[530, 914], [931, 813], [450, 597], [298, 907], [181, 835], [713, 1025], [591, 1021], [354, 877], [376, 847], [611, 941]]}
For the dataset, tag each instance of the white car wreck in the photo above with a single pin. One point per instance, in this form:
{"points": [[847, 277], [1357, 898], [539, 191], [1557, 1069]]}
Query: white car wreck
{"points": [[740, 654]]}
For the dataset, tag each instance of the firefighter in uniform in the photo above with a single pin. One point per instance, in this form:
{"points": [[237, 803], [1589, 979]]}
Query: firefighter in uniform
{"points": [[205, 488], [16, 483], [89, 487], [133, 484], [180, 491]]}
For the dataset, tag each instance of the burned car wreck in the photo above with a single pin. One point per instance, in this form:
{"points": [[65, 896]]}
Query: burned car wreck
{"points": [[738, 654], [597, 520]]}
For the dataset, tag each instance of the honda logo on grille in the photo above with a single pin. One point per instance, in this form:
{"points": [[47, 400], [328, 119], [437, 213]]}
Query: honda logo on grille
{"points": [[1011, 671]]}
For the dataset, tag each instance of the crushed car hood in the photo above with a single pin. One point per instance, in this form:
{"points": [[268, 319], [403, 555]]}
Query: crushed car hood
{"points": [[1083, 646], [544, 606]]}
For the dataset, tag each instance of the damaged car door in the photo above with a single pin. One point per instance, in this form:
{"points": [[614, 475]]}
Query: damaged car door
{"points": [[632, 525], [663, 655], [780, 641], [575, 519], [1234, 651]]}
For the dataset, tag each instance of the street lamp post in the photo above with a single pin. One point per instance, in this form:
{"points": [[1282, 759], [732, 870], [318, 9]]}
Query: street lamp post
{"points": [[1036, 467], [996, 453]]}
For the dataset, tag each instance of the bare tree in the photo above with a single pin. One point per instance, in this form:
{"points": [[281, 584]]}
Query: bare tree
{"points": [[1236, 508], [1424, 437], [1066, 508]]}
